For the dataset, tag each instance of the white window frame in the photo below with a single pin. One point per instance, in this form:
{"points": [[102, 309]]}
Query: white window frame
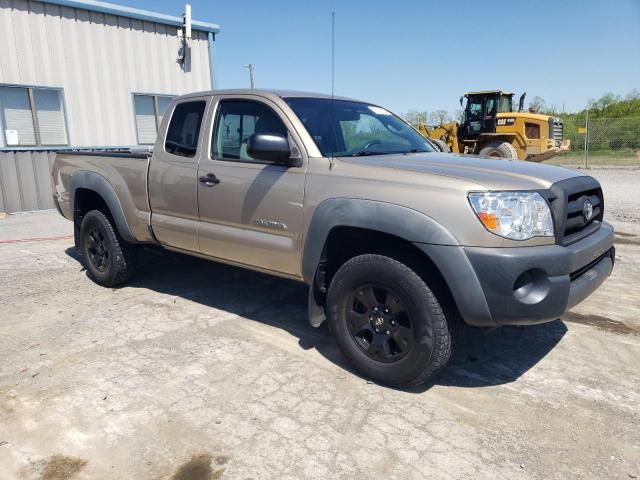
{"points": [[34, 118], [155, 97]]}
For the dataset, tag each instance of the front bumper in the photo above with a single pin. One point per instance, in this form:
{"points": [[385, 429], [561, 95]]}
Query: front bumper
{"points": [[524, 285]]}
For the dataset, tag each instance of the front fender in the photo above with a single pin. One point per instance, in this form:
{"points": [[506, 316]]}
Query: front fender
{"points": [[384, 217], [97, 183]]}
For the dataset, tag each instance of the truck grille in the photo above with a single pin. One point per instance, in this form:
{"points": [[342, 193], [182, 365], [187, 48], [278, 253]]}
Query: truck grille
{"points": [[576, 221], [569, 201], [556, 130]]}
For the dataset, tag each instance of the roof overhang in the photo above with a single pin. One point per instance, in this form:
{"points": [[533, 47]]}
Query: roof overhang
{"points": [[487, 92], [122, 11]]}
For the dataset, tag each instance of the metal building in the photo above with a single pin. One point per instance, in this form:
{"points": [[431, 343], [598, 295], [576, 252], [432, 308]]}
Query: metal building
{"points": [[86, 75]]}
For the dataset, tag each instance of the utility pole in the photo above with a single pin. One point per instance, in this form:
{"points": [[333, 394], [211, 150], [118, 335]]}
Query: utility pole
{"points": [[250, 67]]}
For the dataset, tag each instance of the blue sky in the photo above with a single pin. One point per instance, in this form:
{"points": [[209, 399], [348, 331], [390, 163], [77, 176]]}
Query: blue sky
{"points": [[423, 55]]}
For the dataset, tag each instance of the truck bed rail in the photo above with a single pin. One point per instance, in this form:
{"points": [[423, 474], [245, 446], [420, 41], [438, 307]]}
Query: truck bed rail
{"points": [[109, 153]]}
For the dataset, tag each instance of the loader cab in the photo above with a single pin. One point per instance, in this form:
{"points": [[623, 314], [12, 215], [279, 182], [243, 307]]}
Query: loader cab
{"points": [[481, 110]]}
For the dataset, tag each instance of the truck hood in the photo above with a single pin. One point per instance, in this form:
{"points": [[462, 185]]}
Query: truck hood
{"points": [[490, 173]]}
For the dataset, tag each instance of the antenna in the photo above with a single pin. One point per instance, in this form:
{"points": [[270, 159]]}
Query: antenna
{"points": [[333, 52], [333, 72], [187, 21], [250, 67]]}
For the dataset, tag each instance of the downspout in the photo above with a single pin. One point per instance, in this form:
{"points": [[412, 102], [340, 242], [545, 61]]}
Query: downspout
{"points": [[211, 41]]}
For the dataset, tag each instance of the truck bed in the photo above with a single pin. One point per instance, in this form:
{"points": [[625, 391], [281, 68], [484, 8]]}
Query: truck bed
{"points": [[125, 171]]}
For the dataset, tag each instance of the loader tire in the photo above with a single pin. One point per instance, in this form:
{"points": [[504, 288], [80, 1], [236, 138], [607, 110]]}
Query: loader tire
{"points": [[441, 145], [499, 149]]}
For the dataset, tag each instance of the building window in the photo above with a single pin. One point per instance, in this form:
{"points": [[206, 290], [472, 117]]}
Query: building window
{"points": [[149, 110], [32, 117]]}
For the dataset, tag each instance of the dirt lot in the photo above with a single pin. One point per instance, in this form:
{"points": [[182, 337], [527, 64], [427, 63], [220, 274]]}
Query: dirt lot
{"points": [[200, 371], [622, 190]]}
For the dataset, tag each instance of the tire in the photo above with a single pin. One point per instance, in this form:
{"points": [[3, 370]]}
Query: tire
{"points": [[441, 145], [408, 316], [109, 260], [499, 149]]}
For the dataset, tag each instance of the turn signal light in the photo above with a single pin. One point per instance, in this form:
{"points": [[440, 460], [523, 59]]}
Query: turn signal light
{"points": [[490, 220]]}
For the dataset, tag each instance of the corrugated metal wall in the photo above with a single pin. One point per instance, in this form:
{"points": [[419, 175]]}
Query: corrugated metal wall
{"points": [[25, 181], [99, 61]]}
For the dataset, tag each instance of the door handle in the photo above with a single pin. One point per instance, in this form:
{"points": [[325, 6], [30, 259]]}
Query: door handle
{"points": [[209, 180]]}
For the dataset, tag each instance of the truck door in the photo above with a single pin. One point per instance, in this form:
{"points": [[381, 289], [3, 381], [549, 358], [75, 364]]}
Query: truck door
{"points": [[250, 210], [173, 175]]}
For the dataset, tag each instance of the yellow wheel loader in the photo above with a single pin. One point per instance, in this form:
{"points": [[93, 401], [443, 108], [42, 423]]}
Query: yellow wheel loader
{"points": [[490, 127]]}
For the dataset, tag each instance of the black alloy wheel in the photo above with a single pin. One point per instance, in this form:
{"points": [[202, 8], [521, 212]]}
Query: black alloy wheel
{"points": [[109, 260], [96, 249], [379, 323], [386, 321]]}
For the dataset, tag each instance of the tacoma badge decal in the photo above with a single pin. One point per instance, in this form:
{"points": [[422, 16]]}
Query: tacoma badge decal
{"points": [[273, 225]]}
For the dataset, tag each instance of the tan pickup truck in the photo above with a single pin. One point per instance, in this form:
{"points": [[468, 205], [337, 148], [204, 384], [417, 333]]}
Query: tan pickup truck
{"points": [[393, 238]]}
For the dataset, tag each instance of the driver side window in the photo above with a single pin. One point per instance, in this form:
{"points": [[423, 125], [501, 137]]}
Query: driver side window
{"points": [[236, 121]]}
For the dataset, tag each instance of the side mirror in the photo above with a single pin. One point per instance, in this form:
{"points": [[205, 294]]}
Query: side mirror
{"points": [[461, 100], [270, 147]]}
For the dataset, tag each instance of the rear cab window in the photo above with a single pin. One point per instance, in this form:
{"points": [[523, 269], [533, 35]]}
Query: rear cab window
{"points": [[184, 128]]}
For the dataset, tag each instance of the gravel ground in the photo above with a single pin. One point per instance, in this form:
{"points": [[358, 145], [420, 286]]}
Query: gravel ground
{"points": [[621, 188], [618, 298], [198, 371]]}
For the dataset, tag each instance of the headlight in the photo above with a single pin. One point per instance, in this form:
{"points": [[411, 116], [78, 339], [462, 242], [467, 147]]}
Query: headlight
{"points": [[514, 215]]}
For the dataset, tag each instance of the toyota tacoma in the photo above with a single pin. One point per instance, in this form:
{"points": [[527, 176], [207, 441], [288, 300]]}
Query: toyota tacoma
{"points": [[393, 238]]}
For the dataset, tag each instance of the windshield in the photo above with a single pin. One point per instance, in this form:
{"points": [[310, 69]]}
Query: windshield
{"points": [[343, 128]]}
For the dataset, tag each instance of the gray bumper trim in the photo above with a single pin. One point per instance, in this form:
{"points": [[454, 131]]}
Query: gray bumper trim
{"points": [[482, 280], [589, 281]]}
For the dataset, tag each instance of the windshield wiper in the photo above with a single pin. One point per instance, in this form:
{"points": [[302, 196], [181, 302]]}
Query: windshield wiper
{"points": [[400, 152], [366, 153]]}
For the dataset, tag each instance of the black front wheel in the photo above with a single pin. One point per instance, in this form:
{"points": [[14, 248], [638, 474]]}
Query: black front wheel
{"points": [[387, 322], [107, 257]]}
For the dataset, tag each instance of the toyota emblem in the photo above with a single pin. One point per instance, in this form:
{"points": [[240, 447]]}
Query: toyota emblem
{"points": [[587, 210]]}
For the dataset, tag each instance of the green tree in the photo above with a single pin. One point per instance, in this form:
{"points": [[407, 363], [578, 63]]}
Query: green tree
{"points": [[614, 123]]}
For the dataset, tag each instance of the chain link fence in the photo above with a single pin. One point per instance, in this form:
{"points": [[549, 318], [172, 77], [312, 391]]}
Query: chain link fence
{"points": [[602, 141]]}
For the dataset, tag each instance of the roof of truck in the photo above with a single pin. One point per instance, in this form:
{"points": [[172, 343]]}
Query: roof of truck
{"points": [[267, 93]]}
